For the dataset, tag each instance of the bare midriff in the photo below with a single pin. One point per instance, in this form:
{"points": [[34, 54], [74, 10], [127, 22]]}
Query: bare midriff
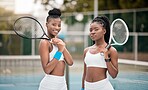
{"points": [[94, 74], [59, 69]]}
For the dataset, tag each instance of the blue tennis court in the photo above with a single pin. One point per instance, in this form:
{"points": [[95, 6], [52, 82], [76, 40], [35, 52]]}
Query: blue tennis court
{"points": [[130, 77], [124, 81]]}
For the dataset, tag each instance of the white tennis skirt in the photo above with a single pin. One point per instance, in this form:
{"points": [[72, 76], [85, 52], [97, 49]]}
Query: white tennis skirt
{"points": [[99, 85], [51, 82]]}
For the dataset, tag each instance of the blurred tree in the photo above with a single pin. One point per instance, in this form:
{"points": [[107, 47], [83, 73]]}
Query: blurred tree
{"points": [[5, 24], [88, 5], [129, 4]]}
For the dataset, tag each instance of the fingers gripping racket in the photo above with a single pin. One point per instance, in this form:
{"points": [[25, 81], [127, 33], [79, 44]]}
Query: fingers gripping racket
{"points": [[29, 28], [119, 33]]}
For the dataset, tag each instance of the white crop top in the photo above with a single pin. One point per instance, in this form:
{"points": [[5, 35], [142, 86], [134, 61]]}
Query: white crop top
{"points": [[94, 60], [52, 53]]}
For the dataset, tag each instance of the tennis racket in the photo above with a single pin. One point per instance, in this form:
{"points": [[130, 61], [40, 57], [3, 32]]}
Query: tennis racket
{"points": [[119, 33], [29, 28]]}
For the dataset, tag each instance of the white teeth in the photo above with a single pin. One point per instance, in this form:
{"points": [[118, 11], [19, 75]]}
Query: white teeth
{"points": [[55, 31]]}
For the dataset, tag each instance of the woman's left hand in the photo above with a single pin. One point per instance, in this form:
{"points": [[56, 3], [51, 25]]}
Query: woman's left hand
{"points": [[106, 53], [60, 44]]}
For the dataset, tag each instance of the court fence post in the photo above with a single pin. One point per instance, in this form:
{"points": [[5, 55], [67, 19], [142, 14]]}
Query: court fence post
{"points": [[67, 76]]}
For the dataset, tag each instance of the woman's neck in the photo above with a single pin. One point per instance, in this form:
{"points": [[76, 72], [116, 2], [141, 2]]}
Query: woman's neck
{"points": [[100, 42]]}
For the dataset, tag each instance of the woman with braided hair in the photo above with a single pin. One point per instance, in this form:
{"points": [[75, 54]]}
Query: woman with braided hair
{"points": [[97, 59]]}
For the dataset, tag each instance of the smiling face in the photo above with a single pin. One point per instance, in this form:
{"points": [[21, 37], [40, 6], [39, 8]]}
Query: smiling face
{"points": [[53, 26], [97, 31]]}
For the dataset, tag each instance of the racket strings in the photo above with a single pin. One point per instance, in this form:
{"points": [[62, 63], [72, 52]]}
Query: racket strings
{"points": [[119, 32], [29, 28]]}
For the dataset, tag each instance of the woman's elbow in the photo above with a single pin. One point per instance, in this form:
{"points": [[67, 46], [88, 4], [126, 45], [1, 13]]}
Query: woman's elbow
{"points": [[70, 63], [46, 71], [114, 75]]}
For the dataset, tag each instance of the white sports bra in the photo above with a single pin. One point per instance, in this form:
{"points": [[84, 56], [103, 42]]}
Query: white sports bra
{"points": [[94, 60], [54, 50]]}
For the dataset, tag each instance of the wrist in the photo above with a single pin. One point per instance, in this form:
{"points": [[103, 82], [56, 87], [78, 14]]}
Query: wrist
{"points": [[108, 60], [61, 50], [58, 55]]}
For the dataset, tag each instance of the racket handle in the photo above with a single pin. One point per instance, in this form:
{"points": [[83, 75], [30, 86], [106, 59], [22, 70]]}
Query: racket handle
{"points": [[50, 41], [108, 46]]}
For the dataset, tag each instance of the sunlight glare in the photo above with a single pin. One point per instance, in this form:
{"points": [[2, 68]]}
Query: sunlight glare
{"points": [[23, 6]]}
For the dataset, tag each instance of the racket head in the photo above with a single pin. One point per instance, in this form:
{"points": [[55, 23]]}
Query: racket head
{"points": [[29, 28], [119, 32]]}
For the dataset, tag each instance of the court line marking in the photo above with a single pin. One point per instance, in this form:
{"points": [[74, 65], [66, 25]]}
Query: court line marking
{"points": [[124, 61]]}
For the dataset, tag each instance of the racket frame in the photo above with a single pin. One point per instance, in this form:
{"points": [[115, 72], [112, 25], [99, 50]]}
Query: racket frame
{"points": [[111, 34], [23, 36]]}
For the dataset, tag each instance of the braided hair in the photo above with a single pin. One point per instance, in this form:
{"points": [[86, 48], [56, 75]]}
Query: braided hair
{"points": [[104, 21]]}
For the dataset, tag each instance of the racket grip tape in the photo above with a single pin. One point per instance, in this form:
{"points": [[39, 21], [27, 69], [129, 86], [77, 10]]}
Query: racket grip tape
{"points": [[108, 60], [108, 46], [58, 55]]}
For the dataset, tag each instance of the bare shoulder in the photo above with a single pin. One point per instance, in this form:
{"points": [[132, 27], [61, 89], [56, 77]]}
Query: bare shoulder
{"points": [[44, 43], [86, 49], [84, 52], [112, 49]]}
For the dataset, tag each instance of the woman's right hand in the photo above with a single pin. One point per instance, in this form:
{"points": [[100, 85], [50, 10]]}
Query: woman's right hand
{"points": [[60, 44]]}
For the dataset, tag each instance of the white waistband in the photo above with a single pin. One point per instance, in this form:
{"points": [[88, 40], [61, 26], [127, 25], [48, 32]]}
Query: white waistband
{"points": [[99, 85], [52, 82], [54, 78]]}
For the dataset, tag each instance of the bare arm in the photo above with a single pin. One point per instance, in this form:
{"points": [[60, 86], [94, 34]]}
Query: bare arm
{"points": [[62, 48], [112, 66], [84, 74], [84, 71], [47, 66]]}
